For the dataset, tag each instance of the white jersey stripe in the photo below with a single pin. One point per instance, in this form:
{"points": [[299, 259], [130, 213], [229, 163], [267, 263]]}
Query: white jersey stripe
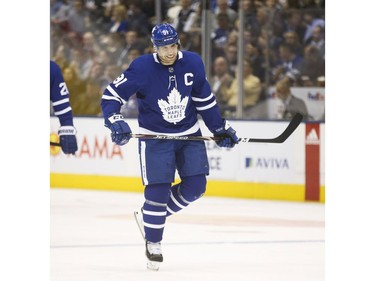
{"points": [[143, 162], [212, 104], [60, 102], [63, 111], [183, 199], [113, 92], [152, 213], [105, 97], [176, 202], [170, 210], [154, 226], [204, 99]]}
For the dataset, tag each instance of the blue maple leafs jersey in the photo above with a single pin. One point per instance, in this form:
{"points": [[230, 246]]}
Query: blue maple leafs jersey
{"points": [[169, 97], [59, 96]]}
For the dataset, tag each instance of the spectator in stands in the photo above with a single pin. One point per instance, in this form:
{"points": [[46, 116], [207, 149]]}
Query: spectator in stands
{"points": [[294, 22], [132, 41], [287, 61], [185, 18], [254, 54], [250, 13], [59, 15], [78, 18], [231, 55], [220, 35], [119, 20], [290, 104], [97, 73], [318, 40], [138, 19], [251, 89], [220, 81], [89, 43], [81, 62], [112, 43], [311, 20], [291, 38], [312, 67], [223, 7], [276, 17]]}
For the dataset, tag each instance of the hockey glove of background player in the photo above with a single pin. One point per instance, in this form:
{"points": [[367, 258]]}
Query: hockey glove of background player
{"points": [[119, 128], [68, 140], [228, 135]]}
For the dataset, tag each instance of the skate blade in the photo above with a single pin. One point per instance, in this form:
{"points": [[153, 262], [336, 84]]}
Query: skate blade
{"points": [[138, 219], [153, 265]]}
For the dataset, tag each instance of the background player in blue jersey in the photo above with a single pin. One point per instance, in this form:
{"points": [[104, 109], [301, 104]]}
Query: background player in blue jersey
{"points": [[59, 96], [171, 89]]}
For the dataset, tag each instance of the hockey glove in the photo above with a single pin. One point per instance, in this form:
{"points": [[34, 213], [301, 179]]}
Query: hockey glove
{"points": [[227, 135], [68, 140], [119, 128]]}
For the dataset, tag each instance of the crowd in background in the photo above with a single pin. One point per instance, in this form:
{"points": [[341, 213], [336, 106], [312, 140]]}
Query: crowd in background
{"points": [[93, 41]]}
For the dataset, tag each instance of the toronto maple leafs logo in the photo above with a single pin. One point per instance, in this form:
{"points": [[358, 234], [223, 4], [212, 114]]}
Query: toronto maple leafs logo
{"points": [[174, 109]]}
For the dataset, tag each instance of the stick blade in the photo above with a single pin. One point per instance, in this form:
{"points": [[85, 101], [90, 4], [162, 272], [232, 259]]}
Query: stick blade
{"points": [[287, 132]]}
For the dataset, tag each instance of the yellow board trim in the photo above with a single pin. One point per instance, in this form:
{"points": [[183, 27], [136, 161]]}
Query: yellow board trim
{"points": [[267, 191]]}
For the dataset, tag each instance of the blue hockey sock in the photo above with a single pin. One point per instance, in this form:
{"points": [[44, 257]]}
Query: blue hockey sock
{"points": [[186, 192], [155, 211]]}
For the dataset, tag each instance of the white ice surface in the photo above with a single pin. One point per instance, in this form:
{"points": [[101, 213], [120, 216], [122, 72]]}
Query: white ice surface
{"points": [[94, 237]]}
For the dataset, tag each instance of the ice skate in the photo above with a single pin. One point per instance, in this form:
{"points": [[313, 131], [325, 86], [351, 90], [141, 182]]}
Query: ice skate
{"points": [[153, 250], [138, 215], [154, 255]]}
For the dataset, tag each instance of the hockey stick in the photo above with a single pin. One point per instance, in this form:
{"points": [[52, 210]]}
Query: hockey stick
{"points": [[294, 123]]}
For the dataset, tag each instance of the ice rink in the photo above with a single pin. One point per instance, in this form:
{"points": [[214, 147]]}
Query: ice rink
{"points": [[94, 237]]}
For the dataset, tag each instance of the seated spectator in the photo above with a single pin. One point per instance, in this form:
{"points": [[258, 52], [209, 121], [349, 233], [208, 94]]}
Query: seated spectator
{"points": [[221, 80], [318, 40], [294, 22], [257, 60], [132, 41], [311, 21], [220, 34], [231, 55], [138, 19], [291, 38], [290, 104], [223, 7], [119, 19], [312, 67], [185, 18], [251, 89], [89, 43], [287, 61]]}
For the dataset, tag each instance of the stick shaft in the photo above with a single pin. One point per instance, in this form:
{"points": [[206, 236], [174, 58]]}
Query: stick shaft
{"points": [[294, 123]]}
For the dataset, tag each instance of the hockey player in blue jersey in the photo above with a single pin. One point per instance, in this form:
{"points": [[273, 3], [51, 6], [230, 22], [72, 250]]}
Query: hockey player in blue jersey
{"points": [[171, 90], [59, 96]]}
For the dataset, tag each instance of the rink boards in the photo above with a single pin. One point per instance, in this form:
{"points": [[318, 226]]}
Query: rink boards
{"points": [[291, 171]]}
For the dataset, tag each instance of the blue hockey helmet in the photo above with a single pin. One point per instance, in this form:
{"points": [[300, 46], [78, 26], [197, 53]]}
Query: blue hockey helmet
{"points": [[164, 34]]}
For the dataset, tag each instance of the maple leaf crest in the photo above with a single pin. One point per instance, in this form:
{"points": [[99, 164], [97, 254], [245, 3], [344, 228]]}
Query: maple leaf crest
{"points": [[174, 109]]}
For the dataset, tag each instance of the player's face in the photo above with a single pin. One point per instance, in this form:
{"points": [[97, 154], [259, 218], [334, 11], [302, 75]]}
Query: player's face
{"points": [[168, 54]]}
